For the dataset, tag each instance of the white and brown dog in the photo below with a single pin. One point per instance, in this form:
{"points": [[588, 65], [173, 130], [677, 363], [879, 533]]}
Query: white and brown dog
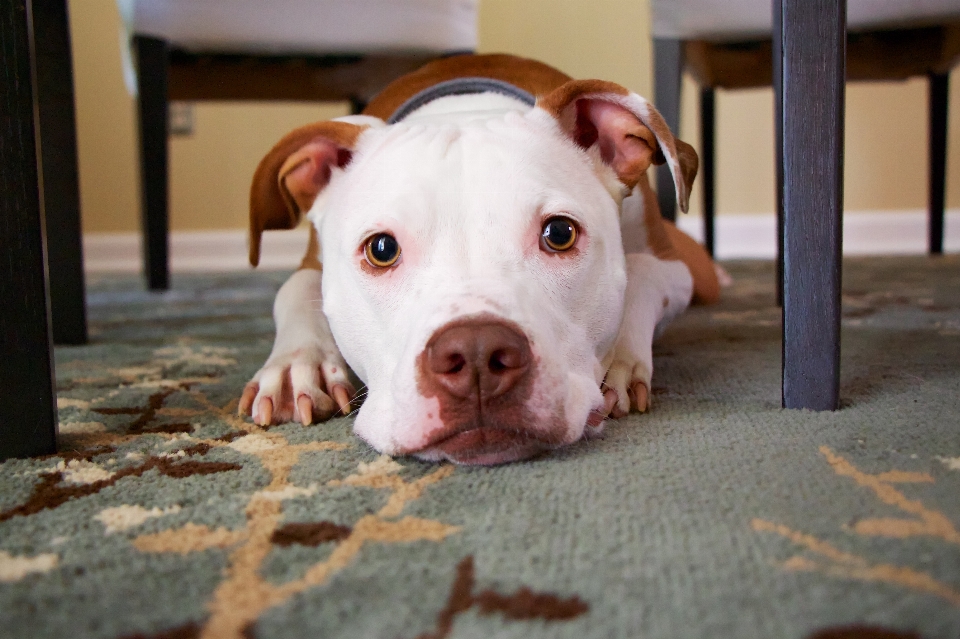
{"points": [[494, 264]]}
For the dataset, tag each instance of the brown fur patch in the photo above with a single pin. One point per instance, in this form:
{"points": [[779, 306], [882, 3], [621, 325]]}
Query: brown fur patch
{"points": [[312, 258], [309, 534], [657, 238], [689, 164], [271, 207], [706, 286], [670, 243], [557, 101]]}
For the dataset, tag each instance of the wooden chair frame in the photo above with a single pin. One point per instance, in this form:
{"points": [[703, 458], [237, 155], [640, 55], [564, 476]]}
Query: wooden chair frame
{"points": [[808, 69]]}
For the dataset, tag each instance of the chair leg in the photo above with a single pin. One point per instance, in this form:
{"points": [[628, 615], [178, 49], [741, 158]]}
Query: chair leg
{"points": [[357, 105], [61, 190], [668, 62], [152, 63], [939, 97], [812, 45], [708, 119], [778, 146], [28, 410]]}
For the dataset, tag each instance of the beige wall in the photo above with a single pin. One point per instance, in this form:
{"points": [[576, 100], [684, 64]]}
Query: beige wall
{"points": [[584, 38], [885, 146], [105, 120], [210, 171]]}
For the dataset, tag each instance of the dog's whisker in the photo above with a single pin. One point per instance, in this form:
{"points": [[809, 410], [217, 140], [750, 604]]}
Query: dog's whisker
{"points": [[358, 398]]}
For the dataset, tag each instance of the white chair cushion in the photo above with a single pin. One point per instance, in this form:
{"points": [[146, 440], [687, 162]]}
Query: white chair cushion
{"points": [[307, 26], [732, 19]]}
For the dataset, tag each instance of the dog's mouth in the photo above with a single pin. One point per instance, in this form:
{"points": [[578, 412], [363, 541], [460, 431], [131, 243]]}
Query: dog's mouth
{"points": [[485, 446]]}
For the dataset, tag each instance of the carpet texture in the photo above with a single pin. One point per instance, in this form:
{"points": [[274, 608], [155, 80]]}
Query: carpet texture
{"points": [[715, 515]]}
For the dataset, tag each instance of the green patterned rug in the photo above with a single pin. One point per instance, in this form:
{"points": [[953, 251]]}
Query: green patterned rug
{"points": [[716, 515]]}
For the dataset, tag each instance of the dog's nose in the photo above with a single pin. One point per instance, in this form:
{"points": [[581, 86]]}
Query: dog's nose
{"points": [[479, 358]]}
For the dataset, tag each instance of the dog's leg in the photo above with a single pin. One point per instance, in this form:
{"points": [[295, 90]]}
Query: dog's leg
{"points": [[305, 377], [657, 291]]}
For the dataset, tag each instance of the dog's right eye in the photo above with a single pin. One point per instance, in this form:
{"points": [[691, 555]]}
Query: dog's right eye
{"points": [[382, 250], [559, 234]]}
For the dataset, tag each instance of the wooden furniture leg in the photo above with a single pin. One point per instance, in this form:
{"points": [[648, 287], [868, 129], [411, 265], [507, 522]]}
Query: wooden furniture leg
{"points": [[708, 124], [776, 79], [939, 97], [61, 189], [668, 63], [28, 411], [152, 63], [812, 37]]}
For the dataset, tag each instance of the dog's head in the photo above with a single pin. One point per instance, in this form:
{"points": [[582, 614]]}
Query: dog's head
{"points": [[473, 273]]}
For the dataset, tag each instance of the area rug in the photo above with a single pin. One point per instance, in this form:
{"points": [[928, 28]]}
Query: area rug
{"points": [[718, 514]]}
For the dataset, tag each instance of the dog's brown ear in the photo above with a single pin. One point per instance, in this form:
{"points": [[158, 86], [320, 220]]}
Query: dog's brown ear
{"points": [[293, 173], [631, 134]]}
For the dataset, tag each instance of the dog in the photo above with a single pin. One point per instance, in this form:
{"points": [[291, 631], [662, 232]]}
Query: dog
{"points": [[486, 256]]}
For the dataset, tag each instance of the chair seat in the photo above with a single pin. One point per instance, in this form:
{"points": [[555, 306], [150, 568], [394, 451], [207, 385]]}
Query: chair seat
{"points": [[306, 26], [745, 19]]}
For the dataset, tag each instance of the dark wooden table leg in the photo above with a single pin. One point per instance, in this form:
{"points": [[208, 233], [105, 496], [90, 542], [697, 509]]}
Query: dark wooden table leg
{"points": [[152, 64], [708, 123], [61, 190], [28, 411], [778, 145], [668, 65], [813, 48], [939, 98], [357, 105]]}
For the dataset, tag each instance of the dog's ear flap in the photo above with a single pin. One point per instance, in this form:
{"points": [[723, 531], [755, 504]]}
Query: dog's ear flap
{"points": [[631, 134], [293, 173]]}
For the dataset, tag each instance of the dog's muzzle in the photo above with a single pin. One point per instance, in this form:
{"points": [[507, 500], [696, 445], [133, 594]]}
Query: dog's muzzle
{"points": [[481, 371]]}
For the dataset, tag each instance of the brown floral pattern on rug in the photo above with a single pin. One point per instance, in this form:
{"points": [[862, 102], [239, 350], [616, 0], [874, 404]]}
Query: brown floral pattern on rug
{"points": [[862, 632], [98, 458], [522, 605], [186, 631], [53, 491], [309, 534]]}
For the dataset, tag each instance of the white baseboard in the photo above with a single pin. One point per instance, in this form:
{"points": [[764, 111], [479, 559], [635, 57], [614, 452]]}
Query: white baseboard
{"points": [[193, 251], [864, 233], [738, 237]]}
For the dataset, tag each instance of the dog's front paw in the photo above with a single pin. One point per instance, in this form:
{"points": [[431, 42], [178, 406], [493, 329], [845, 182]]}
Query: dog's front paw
{"points": [[630, 381], [306, 385]]}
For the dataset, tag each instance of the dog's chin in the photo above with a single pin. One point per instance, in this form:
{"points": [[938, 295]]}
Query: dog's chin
{"points": [[484, 446]]}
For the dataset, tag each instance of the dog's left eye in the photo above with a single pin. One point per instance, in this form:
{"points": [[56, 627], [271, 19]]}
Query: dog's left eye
{"points": [[382, 250], [558, 234]]}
